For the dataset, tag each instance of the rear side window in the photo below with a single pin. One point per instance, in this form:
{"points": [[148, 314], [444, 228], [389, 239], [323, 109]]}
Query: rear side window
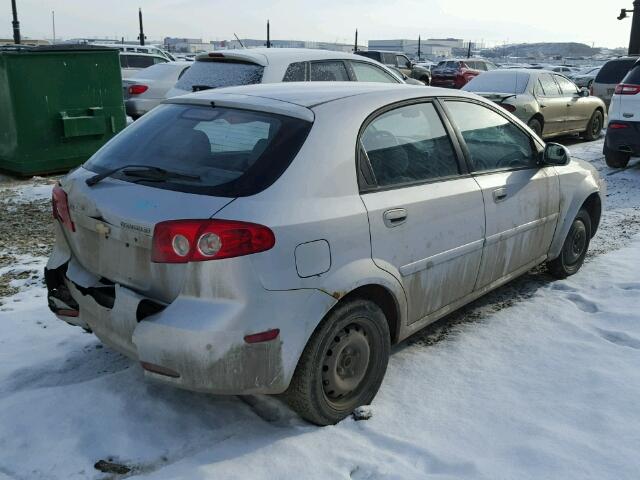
{"points": [[370, 73], [230, 152], [296, 72], [549, 86], [633, 77], [216, 74], [389, 59], [409, 144], [493, 142], [614, 71], [333, 71]]}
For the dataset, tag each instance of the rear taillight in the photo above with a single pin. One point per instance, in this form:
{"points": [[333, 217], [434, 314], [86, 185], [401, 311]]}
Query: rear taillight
{"points": [[507, 107], [137, 89], [182, 241], [617, 126], [627, 89], [60, 207], [591, 90]]}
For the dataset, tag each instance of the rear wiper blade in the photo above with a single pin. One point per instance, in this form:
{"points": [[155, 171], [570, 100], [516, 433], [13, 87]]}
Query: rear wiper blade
{"points": [[159, 174], [142, 171]]}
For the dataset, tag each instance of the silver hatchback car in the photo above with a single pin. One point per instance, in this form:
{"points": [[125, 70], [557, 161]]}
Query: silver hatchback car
{"points": [[279, 238]]}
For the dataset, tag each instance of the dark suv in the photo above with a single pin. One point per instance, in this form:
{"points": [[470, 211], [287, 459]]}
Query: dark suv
{"points": [[400, 62], [456, 73]]}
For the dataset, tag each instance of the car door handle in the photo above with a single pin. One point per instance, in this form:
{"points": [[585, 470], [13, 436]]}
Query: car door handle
{"points": [[543, 105], [499, 195], [394, 217]]}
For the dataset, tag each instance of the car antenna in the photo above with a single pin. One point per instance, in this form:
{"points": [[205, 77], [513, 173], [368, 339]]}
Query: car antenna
{"points": [[239, 41]]}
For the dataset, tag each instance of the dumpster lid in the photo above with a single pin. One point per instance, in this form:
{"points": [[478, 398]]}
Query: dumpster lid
{"points": [[71, 47]]}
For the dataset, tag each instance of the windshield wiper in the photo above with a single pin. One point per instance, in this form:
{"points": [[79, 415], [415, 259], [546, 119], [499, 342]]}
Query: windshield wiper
{"points": [[141, 171]]}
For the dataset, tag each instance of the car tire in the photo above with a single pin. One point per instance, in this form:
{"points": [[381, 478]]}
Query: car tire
{"points": [[535, 125], [426, 80], [342, 365], [574, 248], [594, 127], [616, 159]]}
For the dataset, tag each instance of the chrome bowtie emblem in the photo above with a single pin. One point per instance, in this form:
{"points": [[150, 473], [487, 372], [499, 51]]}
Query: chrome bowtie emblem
{"points": [[102, 229]]}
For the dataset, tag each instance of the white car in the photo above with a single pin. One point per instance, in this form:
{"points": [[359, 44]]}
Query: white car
{"points": [[148, 87], [229, 68], [279, 238], [622, 140]]}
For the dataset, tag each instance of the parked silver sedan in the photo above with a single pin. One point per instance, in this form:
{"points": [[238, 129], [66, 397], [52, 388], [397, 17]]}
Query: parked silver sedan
{"points": [[148, 87], [549, 103], [279, 238]]}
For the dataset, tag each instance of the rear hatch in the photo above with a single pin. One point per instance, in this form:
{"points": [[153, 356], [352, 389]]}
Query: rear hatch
{"points": [[217, 70], [181, 161]]}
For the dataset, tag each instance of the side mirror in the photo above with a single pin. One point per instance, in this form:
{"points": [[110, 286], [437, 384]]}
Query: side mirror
{"points": [[584, 92], [555, 154]]}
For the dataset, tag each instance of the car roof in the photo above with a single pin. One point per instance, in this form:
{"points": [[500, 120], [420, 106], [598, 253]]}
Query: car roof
{"points": [[307, 95], [267, 56]]}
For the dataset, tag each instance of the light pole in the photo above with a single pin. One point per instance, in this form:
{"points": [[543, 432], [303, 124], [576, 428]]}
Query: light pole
{"points": [[15, 23], [142, 36], [634, 39]]}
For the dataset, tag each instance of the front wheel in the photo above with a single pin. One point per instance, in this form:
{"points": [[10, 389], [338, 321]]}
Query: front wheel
{"points": [[574, 248], [343, 364], [594, 127], [536, 126]]}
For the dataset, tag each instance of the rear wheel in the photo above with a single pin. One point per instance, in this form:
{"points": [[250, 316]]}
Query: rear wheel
{"points": [[594, 127], [536, 126], [616, 159], [343, 364], [426, 80], [575, 247]]}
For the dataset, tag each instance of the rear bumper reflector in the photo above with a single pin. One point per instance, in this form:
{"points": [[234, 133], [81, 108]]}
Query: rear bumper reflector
{"points": [[160, 370], [262, 336], [67, 312]]}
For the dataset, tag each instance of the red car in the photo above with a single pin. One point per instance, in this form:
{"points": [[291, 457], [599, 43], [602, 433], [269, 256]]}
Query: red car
{"points": [[456, 73]]}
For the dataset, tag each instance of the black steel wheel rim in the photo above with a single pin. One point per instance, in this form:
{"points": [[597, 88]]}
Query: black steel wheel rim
{"points": [[346, 363], [596, 125], [576, 243]]}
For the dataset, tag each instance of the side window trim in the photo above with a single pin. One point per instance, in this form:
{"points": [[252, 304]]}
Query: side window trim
{"points": [[467, 155], [363, 162]]}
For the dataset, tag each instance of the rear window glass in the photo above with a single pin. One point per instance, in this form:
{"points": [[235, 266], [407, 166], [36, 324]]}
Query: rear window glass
{"points": [[633, 77], [614, 71], [141, 61], [499, 82], [217, 151], [215, 74]]}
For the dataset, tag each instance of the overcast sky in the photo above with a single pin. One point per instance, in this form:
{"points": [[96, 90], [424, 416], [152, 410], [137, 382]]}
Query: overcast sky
{"points": [[494, 21]]}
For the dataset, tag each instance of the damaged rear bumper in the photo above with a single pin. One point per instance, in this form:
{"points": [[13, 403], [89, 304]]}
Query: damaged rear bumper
{"points": [[192, 343]]}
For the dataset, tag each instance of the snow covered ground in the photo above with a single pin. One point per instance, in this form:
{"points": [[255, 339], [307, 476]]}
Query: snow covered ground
{"points": [[538, 380]]}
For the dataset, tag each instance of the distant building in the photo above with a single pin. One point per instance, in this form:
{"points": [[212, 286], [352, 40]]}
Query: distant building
{"points": [[410, 47], [449, 42], [187, 45]]}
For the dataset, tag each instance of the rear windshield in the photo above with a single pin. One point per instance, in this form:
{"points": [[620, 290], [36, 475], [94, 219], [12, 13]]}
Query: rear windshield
{"points": [[633, 77], [614, 71], [214, 150], [448, 64], [499, 82], [214, 74]]}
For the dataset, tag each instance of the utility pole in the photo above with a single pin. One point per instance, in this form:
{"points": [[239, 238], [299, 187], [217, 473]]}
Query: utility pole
{"points": [[469, 50], [53, 24], [355, 47], [634, 38], [419, 41], [141, 36], [268, 34], [15, 23]]}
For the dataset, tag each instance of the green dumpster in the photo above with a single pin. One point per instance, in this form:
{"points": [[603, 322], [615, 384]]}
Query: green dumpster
{"points": [[58, 105]]}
